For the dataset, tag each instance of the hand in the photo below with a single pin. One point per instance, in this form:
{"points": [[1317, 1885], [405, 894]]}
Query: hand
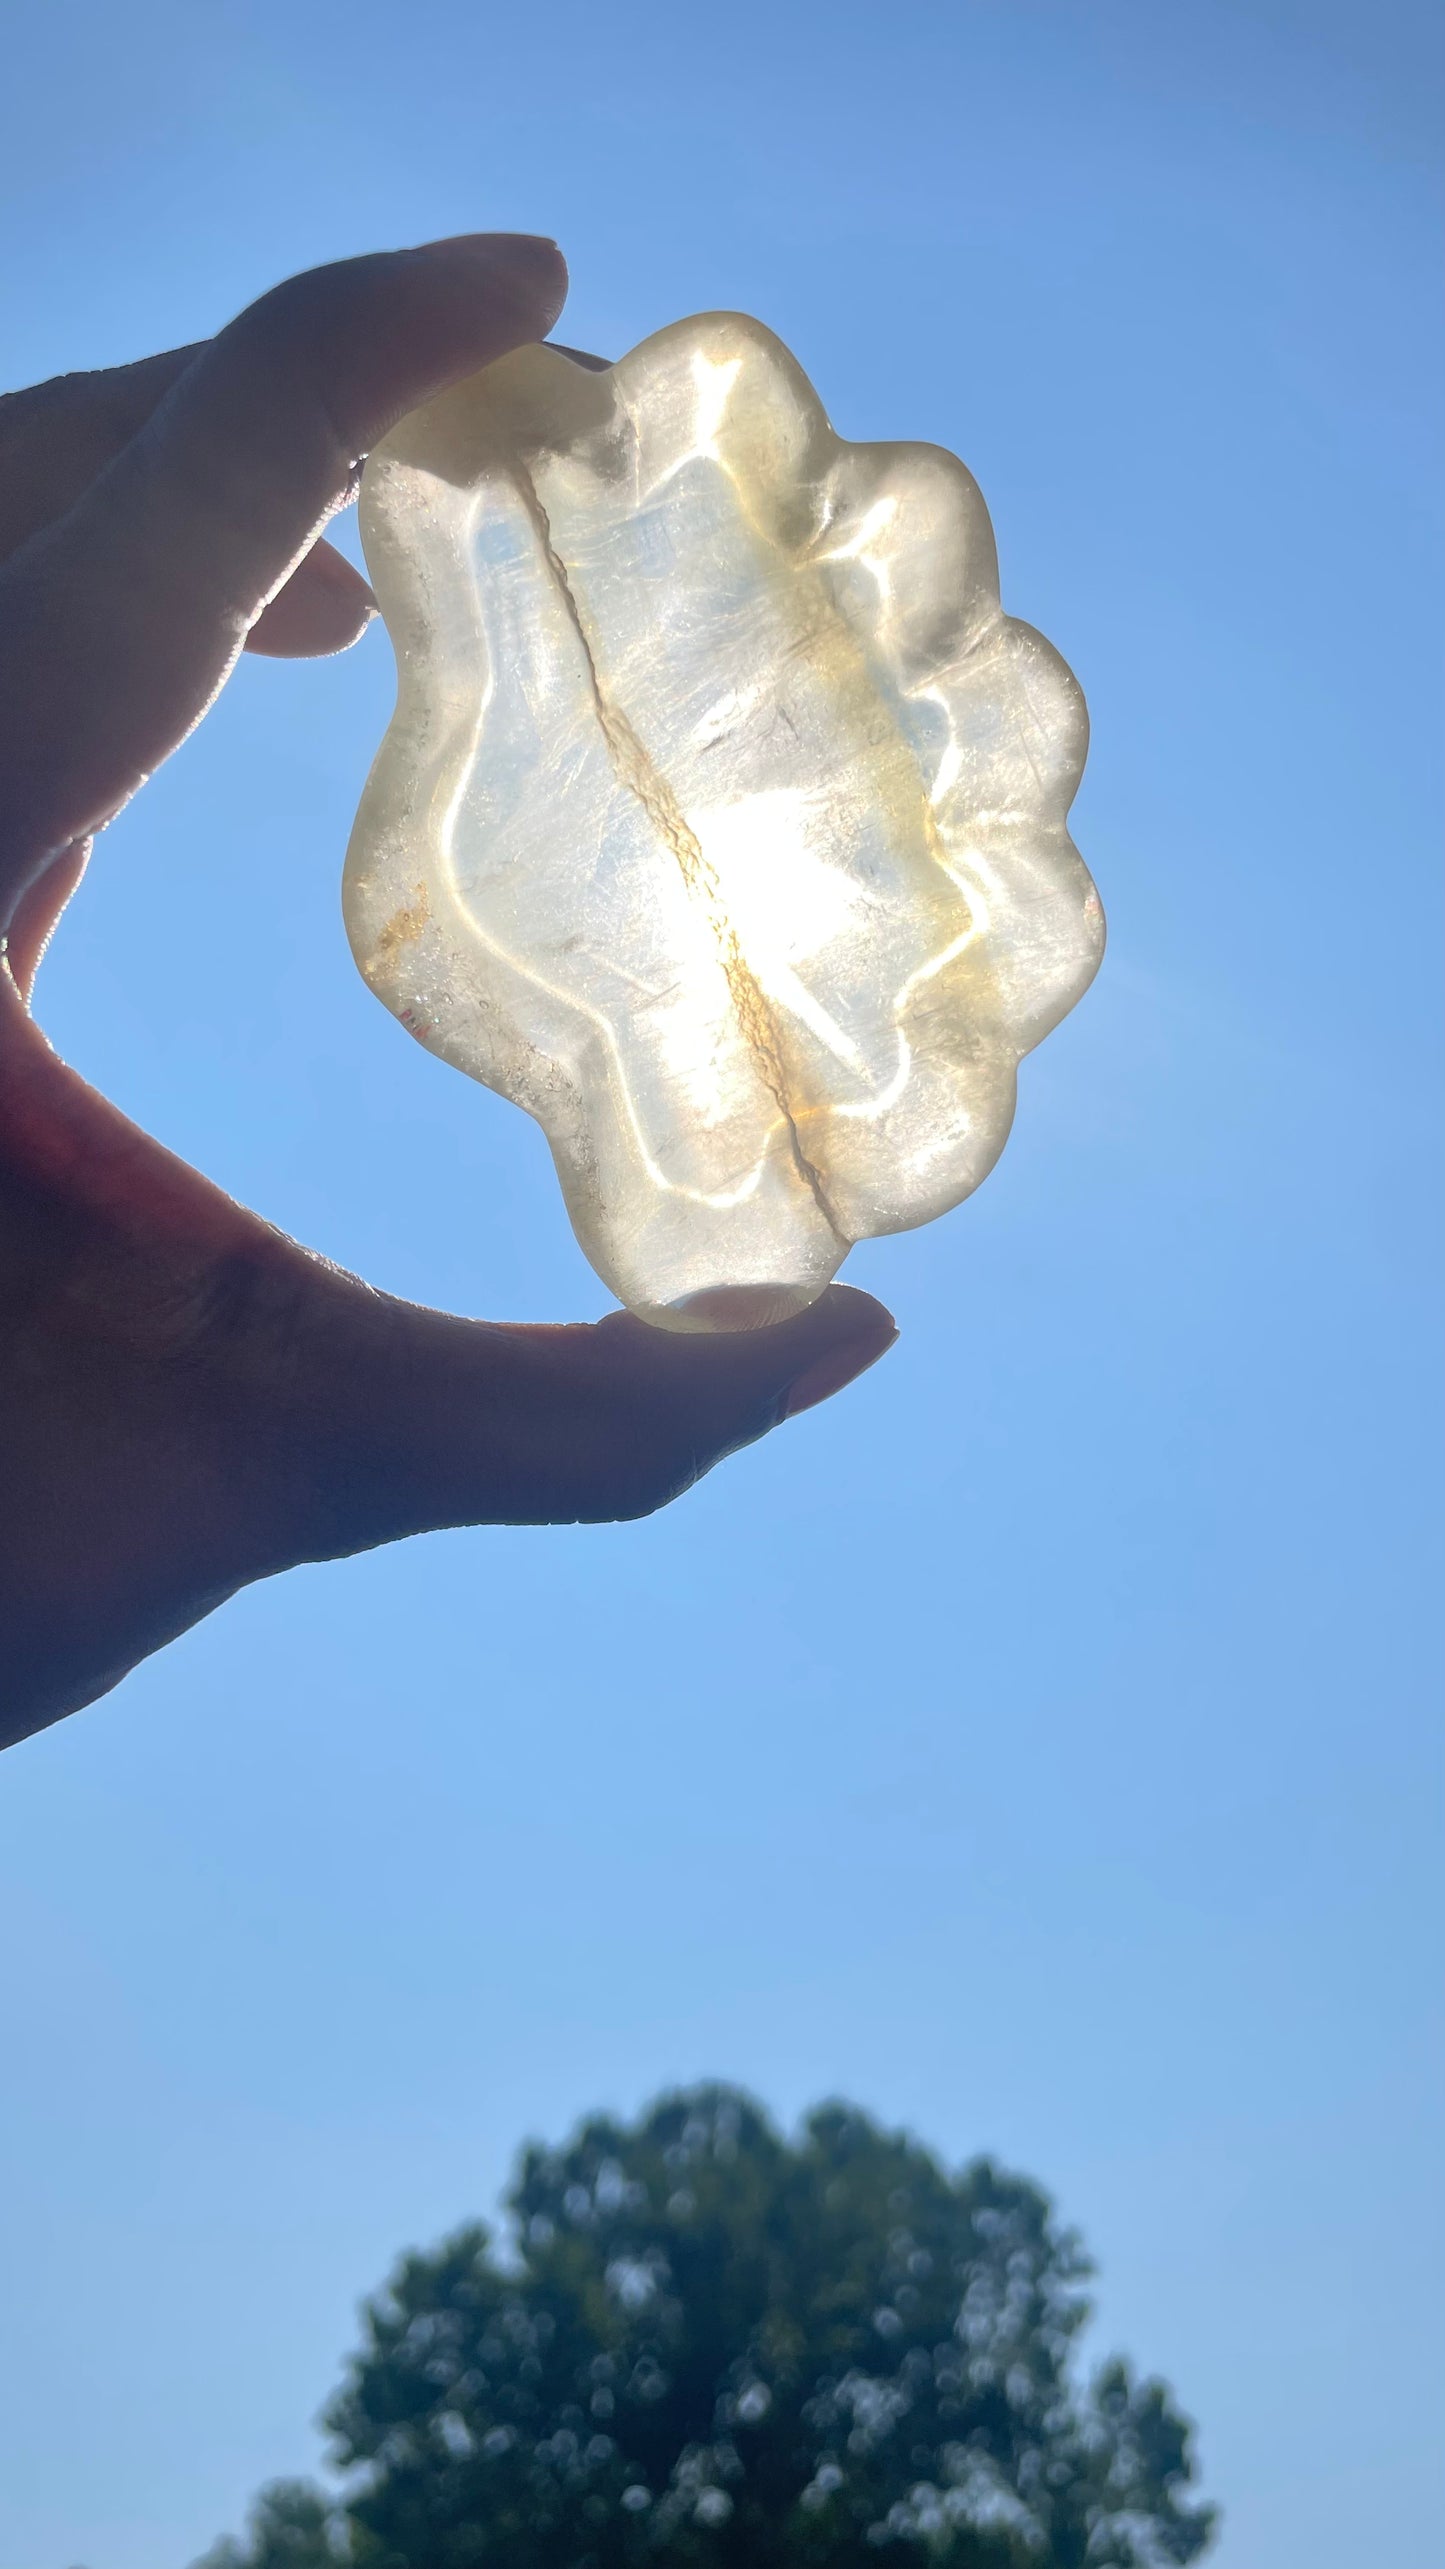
{"points": [[192, 1400]]}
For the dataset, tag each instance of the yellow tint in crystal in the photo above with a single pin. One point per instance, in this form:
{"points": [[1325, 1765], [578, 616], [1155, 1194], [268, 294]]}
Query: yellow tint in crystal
{"points": [[721, 823]]}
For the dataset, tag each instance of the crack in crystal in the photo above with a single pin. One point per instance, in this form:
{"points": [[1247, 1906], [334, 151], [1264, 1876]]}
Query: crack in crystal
{"points": [[635, 770]]}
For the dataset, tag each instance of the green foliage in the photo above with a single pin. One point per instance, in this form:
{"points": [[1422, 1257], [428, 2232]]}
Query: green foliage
{"points": [[291, 2526], [710, 2345]]}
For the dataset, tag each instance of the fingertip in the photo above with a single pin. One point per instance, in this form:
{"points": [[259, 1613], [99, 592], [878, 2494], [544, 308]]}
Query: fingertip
{"points": [[735, 1391], [323, 608], [370, 338], [716, 1393], [848, 1306], [870, 1332], [528, 264], [837, 1315]]}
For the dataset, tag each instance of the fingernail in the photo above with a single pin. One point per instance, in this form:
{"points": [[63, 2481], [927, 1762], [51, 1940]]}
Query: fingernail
{"points": [[527, 260], [841, 1365], [491, 241], [582, 357]]}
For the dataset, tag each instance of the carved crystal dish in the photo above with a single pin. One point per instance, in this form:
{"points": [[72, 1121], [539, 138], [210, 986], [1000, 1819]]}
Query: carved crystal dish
{"points": [[721, 823]]}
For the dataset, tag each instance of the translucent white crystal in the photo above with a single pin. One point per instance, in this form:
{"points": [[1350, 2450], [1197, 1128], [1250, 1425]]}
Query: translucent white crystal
{"points": [[721, 821]]}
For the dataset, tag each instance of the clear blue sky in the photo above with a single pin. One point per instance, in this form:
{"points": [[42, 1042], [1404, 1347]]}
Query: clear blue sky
{"points": [[1039, 1744]]}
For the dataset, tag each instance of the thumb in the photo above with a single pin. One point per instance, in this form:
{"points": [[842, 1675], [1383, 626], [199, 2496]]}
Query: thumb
{"points": [[414, 1420], [195, 1402]]}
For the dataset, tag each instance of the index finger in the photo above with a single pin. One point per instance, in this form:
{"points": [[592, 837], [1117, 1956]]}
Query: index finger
{"points": [[119, 622]]}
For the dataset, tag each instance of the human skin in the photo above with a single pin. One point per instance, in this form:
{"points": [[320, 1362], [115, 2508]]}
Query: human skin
{"points": [[192, 1400]]}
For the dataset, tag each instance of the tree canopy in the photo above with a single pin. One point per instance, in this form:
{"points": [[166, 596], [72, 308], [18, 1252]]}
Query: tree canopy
{"points": [[701, 2342]]}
